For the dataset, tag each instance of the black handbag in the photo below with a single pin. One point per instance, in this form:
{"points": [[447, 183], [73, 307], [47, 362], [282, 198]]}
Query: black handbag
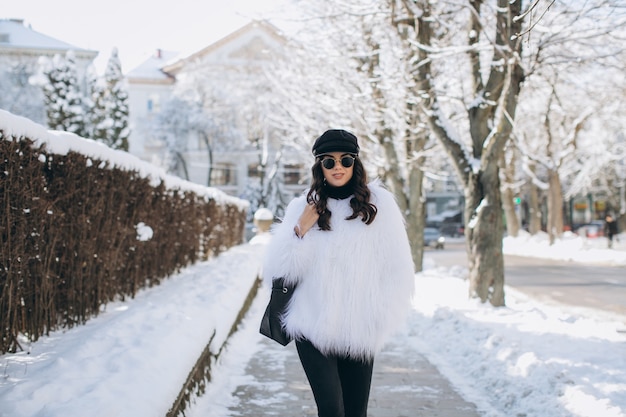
{"points": [[271, 324]]}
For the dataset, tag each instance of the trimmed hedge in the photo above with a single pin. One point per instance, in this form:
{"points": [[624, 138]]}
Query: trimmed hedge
{"points": [[71, 237]]}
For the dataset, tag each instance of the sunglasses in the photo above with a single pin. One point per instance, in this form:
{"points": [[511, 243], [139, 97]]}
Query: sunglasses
{"points": [[346, 162]]}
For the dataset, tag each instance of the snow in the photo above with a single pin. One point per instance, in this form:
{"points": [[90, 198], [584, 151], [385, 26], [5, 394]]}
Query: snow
{"points": [[263, 214], [132, 29], [21, 36], [60, 143], [139, 349], [144, 232], [151, 67], [571, 247], [526, 359]]}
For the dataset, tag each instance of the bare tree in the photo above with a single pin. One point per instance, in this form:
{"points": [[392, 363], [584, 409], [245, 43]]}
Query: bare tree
{"points": [[172, 127], [364, 83], [555, 132], [404, 144], [569, 98], [19, 96], [495, 84], [470, 105]]}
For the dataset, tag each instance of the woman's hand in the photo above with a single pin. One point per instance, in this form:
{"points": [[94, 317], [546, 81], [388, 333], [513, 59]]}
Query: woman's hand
{"points": [[307, 219]]}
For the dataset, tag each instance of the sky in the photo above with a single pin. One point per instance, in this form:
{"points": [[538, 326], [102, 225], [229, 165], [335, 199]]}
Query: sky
{"points": [[137, 27], [545, 360]]}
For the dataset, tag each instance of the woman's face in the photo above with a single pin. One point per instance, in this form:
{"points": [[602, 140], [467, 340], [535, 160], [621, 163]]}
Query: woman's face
{"points": [[339, 174]]}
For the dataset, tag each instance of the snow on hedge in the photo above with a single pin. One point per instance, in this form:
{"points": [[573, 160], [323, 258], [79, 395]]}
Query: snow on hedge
{"points": [[60, 143]]}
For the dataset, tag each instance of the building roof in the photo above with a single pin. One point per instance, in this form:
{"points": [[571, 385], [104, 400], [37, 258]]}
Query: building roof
{"points": [[151, 69], [160, 67], [15, 35], [270, 29]]}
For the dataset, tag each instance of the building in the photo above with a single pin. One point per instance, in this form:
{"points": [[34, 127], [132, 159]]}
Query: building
{"points": [[226, 152], [21, 49], [148, 87]]}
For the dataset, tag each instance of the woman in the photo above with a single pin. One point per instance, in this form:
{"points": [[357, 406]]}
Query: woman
{"points": [[345, 247]]}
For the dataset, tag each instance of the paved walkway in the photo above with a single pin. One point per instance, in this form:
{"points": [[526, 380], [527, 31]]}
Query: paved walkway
{"points": [[405, 384]]}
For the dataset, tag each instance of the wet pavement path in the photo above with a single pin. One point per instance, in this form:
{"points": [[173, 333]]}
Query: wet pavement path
{"points": [[405, 384]]}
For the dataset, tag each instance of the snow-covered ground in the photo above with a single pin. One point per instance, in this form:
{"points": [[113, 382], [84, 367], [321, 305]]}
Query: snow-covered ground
{"points": [[526, 359], [570, 247]]}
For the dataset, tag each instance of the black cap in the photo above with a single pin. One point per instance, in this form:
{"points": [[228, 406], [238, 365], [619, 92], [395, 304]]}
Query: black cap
{"points": [[336, 140]]}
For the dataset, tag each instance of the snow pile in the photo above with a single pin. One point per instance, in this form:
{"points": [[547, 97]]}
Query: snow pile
{"points": [[526, 359], [570, 247]]}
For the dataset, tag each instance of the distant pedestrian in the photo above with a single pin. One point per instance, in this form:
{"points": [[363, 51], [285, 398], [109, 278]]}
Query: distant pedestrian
{"points": [[345, 246], [610, 229]]}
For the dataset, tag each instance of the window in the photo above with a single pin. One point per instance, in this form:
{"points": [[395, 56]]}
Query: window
{"points": [[254, 171], [153, 104], [292, 174], [223, 174]]}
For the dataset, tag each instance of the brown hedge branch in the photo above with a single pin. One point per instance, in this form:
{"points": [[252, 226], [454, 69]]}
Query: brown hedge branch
{"points": [[69, 242]]}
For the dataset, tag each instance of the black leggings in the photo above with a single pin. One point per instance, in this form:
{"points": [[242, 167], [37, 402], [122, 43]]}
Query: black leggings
{"points": [[340, 385]]}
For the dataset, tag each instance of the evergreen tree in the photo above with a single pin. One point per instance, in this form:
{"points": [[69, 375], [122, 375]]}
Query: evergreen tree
{"points": [[62, 97], [97, 112], [111, 107], [92, 97]]}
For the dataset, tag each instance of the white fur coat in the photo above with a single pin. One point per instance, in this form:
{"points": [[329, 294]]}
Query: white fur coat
{"points": [[355, 281]]}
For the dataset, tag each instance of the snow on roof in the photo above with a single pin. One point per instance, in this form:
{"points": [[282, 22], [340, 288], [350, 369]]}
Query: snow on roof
{"points": [[14, 34], [151, 67], [251, 27], [157, 66], [60, 143]]}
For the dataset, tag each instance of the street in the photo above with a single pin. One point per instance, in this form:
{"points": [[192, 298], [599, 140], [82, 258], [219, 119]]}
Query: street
{"points": [[576, 284]]}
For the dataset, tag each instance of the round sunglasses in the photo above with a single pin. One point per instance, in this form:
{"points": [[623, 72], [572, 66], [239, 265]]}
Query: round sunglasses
{"points": [[346, 161]]}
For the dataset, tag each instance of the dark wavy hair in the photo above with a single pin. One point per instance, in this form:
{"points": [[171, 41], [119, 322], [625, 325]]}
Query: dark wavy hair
{"points": [[360, 203]]}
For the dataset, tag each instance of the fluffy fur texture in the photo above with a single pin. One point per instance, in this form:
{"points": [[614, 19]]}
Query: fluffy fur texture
{"points": [[355, 281]]}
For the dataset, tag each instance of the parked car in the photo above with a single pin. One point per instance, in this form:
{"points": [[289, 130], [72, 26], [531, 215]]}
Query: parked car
{"points": [[452, 229], [432, 238], [590, 230]]}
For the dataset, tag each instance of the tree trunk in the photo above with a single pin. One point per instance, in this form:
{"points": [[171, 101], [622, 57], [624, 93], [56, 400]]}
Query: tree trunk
{"points": [[408, 190], [209, 150], [483, 235], [181, 165], [415, 216], [510, 214], [534, 211], [411, 204], [555, 206], [490, 129], [508, 195]]}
